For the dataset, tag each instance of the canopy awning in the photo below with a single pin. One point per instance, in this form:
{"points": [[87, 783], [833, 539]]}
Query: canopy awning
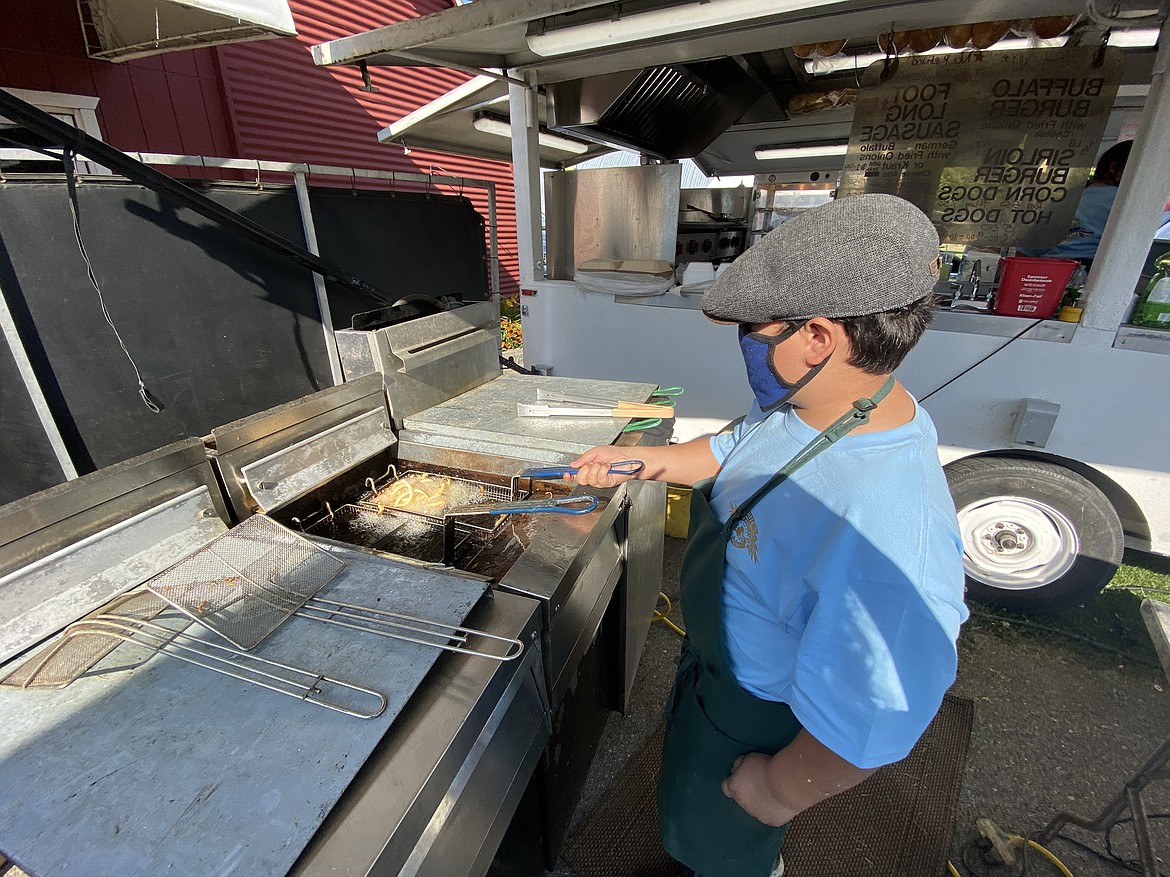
{"points": [[474, 119], [557, 40], [119, 30], [804, 103]]}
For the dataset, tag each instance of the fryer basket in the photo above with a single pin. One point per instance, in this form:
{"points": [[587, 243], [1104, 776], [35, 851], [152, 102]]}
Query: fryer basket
{"points": [[248, 581]]}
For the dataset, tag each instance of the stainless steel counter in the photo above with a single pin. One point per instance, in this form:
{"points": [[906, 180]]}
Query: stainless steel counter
{"points": [[152, 766], [484, 420], [436, 795]]}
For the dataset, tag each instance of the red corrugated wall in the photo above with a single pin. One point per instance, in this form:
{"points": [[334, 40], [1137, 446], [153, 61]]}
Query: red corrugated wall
{"points": [[284, 107], [264, 99], [168, 103]]}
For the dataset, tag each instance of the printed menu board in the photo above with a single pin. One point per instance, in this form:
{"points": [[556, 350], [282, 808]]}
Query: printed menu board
{"points": [[994, 146]]}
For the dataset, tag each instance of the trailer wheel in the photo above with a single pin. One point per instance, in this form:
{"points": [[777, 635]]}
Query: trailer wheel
{"points": [[1036, 536]]}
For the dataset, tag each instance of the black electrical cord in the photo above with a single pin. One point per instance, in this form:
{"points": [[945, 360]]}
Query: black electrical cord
{"points": [[984, 867], [1132, 865], [75, 210], [971, 848], [975, 365], [1109, 856]]}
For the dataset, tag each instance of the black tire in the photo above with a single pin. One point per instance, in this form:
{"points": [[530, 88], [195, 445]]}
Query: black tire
{"points": [[1036, 537]]}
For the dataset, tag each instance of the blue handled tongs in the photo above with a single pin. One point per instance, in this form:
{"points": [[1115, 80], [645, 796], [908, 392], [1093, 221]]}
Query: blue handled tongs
{"points": [[622, 467]]}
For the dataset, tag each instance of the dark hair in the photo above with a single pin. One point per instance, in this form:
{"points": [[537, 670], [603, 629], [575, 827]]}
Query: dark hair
{"points": [[881, 341], [1117, 154]]}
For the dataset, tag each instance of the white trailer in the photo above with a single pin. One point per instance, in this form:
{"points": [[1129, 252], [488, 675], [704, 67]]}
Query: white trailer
{"points": [[1045, 512]]}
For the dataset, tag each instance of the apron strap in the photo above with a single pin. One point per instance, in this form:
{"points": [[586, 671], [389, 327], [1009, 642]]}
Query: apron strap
{"points": [[839, 428]]}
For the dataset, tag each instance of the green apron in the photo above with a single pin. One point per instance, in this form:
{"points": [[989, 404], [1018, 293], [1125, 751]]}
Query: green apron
{"points": [[711, 720]]}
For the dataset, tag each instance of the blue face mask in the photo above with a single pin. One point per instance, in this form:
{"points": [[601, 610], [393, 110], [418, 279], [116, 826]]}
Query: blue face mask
{"points": [[770, 387]]}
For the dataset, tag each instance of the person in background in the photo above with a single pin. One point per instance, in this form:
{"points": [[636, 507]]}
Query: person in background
{"points": [[1163, 232], [1093, 210], [822, 588]]}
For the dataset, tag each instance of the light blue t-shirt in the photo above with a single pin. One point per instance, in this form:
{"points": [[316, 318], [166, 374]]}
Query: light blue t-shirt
{"points": [[843, 589], [1084, 236]]}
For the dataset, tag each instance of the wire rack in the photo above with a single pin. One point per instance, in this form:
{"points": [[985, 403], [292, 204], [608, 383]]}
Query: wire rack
{"points": [[134, 619]]}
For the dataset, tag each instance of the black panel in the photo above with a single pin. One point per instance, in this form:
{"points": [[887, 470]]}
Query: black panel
{"points": [[27, 463], [403, 243], [578, 723], [219, 327]]}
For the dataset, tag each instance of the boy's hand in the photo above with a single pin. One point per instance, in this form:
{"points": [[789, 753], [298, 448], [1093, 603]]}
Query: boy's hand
{"points": [[594, 467]]}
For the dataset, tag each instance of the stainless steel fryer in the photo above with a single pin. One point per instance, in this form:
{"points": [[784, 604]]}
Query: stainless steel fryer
{"points": [[595, 576], [173, 729], [455, 510]]}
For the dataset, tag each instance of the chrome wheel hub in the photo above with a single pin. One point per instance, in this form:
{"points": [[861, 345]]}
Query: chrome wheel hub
{"points": [[1016, 543]]}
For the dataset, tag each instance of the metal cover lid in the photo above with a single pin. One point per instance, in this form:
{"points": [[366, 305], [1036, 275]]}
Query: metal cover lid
{"points": [[484, 419]]}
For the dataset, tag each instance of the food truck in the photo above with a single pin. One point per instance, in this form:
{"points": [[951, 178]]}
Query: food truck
{"points": [[988, 116]]}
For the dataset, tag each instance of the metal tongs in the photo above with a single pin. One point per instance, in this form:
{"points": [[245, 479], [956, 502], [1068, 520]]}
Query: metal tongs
{"points": [[590, 406]]}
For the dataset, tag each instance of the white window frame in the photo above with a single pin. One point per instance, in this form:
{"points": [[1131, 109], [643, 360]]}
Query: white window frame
{"points": [[82, 112]]}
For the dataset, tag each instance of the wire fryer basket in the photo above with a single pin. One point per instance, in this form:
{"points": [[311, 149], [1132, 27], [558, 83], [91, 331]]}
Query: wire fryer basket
{"points": [[384, 498], [246, 582], [63, 661]]}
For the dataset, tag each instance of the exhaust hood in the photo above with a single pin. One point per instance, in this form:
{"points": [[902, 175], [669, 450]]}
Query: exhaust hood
{"points": [[668, 112]]}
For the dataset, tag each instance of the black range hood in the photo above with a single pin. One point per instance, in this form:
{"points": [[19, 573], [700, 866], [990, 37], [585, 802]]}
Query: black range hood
{"points": [[669, 112]]}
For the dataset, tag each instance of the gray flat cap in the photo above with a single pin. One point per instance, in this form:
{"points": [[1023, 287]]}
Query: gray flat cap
{"points": [[861, 254]]}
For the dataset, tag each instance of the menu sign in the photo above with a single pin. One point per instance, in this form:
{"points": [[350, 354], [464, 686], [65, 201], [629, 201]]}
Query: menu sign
{"points": [[994, 146]]}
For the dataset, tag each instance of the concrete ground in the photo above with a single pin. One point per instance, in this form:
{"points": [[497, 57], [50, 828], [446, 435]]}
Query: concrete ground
{"points": [[1056, 728]]}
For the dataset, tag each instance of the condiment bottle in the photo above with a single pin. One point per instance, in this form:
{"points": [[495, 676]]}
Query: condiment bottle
{"points": [[1153, 308]]}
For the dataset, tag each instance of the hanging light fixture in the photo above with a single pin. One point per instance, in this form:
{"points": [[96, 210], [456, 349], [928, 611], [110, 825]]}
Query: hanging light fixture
{"points": [[796, 151], [489, 124]]}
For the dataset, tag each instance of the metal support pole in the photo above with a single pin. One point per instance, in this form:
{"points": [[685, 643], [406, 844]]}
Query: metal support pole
{"points": [[306, 211], [1129, 798], [1140, 199], [526, 174], [33, 386], [493, 243]]}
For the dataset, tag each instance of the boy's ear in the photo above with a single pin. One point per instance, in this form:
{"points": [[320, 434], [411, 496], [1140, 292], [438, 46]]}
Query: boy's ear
{"points": [[823, 337]]}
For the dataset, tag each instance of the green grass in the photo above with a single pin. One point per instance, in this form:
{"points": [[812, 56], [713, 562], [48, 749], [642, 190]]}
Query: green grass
{"points": [[1108, 629], [1144, 571]]}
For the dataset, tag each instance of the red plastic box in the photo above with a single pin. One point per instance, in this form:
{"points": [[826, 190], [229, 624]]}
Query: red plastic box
{"points": [[1032, 286]]}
